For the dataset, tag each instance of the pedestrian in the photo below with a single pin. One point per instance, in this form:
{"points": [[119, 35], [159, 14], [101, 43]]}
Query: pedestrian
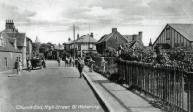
{"points": [[20, 66], [73, 62], [66, 61], [28, 65], [16, 66], [59, 59], [80, 66], [70, 61], [91, 63], [103, 63]]}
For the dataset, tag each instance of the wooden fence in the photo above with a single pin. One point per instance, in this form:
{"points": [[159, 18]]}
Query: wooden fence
{"points": [[166, 83]]}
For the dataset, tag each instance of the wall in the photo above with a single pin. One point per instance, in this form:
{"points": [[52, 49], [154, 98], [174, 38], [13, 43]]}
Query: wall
{"points": [[11, 58]]}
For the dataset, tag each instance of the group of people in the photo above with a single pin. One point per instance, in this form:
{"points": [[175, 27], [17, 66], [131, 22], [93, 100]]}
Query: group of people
{"points": [[79, 63]]}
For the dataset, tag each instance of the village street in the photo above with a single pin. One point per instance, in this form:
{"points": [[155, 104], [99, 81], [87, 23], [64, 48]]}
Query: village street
{"points": [[54, 89]]}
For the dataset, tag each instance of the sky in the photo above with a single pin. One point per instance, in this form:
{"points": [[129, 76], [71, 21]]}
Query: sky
{"points": [[52, 20]]}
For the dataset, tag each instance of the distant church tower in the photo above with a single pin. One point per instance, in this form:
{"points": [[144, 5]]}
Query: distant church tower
{"points": [[37, 40]]}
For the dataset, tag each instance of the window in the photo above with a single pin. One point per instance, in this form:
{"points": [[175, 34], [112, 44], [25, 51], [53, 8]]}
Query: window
{"points": [[5, 61], [116, 37]]}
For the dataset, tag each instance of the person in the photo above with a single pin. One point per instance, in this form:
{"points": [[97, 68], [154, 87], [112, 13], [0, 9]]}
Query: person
{"points": [[16, 66], [59, 59], [66, 61], [28, 65], [91, 63], [103, 63], [20, 65], [80, 66], [73, 61]]}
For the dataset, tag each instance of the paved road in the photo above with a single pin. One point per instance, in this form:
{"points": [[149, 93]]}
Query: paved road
{"points": [[54, 89]]}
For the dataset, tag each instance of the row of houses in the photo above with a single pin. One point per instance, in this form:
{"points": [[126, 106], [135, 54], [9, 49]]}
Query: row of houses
{"points": [[87, 43], [171, 36], [13, 45]]}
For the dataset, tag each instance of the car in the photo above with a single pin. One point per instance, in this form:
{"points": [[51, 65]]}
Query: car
{"points": [[37, 63]]}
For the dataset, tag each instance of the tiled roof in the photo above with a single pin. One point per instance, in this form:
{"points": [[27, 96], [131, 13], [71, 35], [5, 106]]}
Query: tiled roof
{"points": [[19, 36], [134, 44], [106, 37], [129, 38], [184, 29], [86, 39], [10, 31], [8, 47]]}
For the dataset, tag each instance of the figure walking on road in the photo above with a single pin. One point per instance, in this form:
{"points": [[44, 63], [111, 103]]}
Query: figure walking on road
{"points": [[28, 65], [20, 66], [103, 63], [16, 65], [80, 66], [59, 59], [91, 63]]}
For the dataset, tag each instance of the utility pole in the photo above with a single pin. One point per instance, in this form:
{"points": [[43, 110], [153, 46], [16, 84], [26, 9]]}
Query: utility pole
{"points": [[74, 39]]}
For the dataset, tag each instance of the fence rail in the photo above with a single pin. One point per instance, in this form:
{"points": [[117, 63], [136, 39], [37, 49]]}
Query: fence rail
{"points": [[169, 84]]}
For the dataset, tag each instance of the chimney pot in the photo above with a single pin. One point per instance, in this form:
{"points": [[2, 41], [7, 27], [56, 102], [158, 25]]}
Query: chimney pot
{"points": [[134, 37], [77, 36], [91, 35], [140, 36]]}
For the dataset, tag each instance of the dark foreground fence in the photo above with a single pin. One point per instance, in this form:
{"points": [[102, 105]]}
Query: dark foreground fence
{"points": [[166, 83]]}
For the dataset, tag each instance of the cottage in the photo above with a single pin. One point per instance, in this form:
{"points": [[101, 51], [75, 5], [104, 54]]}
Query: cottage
{"points": [[115, 40], [174, 35], [85, 44]]}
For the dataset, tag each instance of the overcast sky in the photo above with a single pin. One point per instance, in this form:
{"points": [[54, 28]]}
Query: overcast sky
{"points": [[52, 20]]}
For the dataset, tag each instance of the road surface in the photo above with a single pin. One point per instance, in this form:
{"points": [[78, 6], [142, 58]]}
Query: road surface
{"points": [[54, 89]]}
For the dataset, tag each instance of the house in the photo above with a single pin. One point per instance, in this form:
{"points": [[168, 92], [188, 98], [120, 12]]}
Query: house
{"points": [[81, 46], [23, 43], [115, 40], [174, 35], [8, 52], [85, 44], [57, 52]]}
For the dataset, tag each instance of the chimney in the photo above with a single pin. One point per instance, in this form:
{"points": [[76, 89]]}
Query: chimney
{"points": [[134, 37], [140, 36], [91, 35], [114, 30], [77, 36], [9, 24], [69, 39]]}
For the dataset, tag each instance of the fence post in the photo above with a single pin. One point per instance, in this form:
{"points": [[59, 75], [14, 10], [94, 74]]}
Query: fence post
{"points": [[191, 91]]}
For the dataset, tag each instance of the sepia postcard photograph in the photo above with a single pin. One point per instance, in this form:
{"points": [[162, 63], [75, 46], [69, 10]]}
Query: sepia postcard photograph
{"points": [[96, 55]]}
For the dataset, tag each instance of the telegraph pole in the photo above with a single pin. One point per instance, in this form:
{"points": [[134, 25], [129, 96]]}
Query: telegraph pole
{"points": [[74, 39]]}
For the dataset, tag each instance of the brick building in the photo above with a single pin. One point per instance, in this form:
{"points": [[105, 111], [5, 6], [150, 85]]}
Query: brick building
{"points": [[115, 40]]}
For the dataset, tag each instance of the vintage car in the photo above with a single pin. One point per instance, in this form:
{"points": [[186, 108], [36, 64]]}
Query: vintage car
{"points": [[37, 62]]}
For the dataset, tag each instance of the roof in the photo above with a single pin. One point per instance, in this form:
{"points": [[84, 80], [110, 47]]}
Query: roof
{"points": [[19, 36], [8, 47], [129, 38], [59, 47], [134, 44], [106, 37], [10, 31], [86, 39], [184, 29]]}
